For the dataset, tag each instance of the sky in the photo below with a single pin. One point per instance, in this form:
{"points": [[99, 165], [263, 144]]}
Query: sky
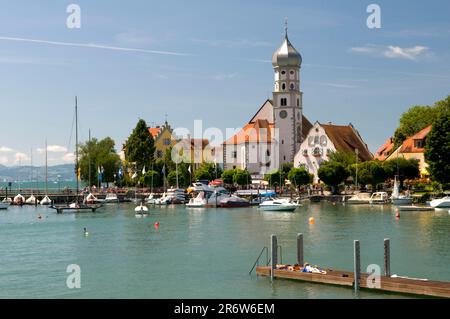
{"points": [[208, 60]]}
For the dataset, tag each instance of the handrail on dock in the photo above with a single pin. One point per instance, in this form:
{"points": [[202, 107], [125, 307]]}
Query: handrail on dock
{"points": [[259, 257]]}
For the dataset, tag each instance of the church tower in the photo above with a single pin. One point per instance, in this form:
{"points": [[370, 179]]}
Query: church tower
{"points": [[287, 100]]}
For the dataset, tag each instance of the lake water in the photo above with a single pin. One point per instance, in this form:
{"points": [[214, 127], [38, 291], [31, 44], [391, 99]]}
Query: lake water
{"points": [[207, 253]]}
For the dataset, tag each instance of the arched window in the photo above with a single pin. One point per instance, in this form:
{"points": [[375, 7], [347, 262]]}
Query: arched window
{"points": [[292, 86], [298, 102], [283, 86]]}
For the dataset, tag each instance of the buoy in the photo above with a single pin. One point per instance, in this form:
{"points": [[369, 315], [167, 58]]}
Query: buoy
{"points": [[156, 225], [397, 214], [312, 221], [86, 233], [39, 217]]}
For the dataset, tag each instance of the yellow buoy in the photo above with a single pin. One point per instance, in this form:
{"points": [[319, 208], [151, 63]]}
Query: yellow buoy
{"points": [[312, 221]]}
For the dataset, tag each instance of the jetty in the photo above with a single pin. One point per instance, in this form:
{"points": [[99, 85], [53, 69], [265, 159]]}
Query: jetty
{"points": [[353, 279]]}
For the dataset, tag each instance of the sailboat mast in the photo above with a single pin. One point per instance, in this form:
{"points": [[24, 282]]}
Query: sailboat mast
{"points": [[76, 140], [46, 168], [89, 154]]}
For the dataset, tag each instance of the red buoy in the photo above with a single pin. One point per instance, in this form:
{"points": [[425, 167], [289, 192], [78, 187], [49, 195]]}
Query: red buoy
{"points": [[156, 225]]}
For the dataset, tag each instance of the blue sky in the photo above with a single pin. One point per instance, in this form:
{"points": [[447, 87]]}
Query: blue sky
{"points": [[214, 65]]}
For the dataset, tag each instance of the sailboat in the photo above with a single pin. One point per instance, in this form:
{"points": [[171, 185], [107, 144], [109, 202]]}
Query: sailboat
{"points": [[141, 209], [32, 200], [76, 207], [398, 199], [46, 200]]}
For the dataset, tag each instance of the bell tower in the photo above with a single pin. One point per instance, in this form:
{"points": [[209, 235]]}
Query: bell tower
{"points": [[287, 99]]}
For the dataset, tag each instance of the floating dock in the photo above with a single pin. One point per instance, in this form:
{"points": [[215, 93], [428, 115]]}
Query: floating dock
{"points": [[346, 278], [376, 280]]}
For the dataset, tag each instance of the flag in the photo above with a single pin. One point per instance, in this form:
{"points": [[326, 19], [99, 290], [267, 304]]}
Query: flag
{"points": [[79, 173], [120, 173], [135, 175], [164, 169], [143, 171], [189, 169]]}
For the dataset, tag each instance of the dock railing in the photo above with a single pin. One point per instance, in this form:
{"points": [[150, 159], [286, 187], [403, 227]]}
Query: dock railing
{"points": [[265, 249]]}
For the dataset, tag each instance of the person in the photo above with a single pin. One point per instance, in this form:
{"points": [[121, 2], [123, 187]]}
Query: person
{"points": [[308, 268]]}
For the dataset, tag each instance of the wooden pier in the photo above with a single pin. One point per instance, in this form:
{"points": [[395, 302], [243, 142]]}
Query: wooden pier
{"points": [[355, 279]]}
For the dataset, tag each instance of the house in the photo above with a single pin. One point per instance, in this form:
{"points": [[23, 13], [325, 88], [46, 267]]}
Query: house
{"points": [[324, 139], [164, 139], [385, 150], [197, 151], [414, 148]]}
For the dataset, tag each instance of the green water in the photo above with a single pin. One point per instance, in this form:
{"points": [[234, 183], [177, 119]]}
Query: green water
{"points": [[198, 253]]}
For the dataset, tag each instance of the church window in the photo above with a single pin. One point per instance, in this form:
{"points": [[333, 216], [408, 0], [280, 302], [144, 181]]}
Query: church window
{"points": [[305, 152], [283, 72], [282, 141], [166, 141], [292, 72], [323, 140], [283, 86], [268, 152], [284, 158], [283, 101], [310, 140], [234, 154], [292, 86], [316, 139], [298, 102]]}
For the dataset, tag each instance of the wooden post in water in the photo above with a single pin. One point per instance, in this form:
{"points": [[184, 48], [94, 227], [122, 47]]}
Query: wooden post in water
{"points": [[300, 259], [387, 257], [274, 255], [357, 263]]}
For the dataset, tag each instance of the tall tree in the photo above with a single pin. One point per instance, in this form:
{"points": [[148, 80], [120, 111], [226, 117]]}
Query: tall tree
{"points": [[437, 148], [99, 154], [140, 146], [300, 177], [242, 177], [333, 174]]}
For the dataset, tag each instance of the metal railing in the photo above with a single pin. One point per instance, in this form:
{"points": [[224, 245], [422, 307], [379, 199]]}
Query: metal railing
{"points": [[268, 260]]}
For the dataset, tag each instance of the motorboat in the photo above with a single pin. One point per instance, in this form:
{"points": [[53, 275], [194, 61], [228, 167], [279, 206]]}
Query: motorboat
{"points": [[7, 200], [443, 202], [111, 198], [173, 196], [141, 210], [279, 204], [46, 201], [379, 198], [234, 201], [413, 208], [92, 199], [31, 200], [151, 199], [397, 198], [4, 205], [360, 198], [209, 198]]}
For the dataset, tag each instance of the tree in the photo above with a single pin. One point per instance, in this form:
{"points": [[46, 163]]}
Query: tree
{"points": [[242, 177], [300, 177], [207, 171], [345, 158], [417, 118], [404, 168], [276, 178], [228, 176], [140, 146], [372, 173], [286, 168], [333, 174], [98, 154], [437, 148], [152, 176]]}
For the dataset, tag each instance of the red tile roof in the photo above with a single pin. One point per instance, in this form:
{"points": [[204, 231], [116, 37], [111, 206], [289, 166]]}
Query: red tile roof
{"points": [[409, 145], [259, 131], [154, 131], [385, 150]]}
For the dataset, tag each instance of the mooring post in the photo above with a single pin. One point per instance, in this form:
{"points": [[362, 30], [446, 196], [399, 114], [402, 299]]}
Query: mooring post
{"points": [[300, 259], [357, 263], [274, 255], [387, 257]]}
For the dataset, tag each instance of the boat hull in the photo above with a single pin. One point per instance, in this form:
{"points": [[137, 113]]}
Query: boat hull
{"points": [[278, 208], [402, 201]]}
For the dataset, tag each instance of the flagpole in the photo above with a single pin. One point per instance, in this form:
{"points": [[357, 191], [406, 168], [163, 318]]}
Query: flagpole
{"points": [[176, 169]]}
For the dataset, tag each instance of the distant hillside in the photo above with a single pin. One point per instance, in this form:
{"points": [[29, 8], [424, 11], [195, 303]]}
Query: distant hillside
{"points": [[66, 172]]}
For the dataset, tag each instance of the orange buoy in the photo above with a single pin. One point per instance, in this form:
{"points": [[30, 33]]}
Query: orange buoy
{"points": [[312, 221]]}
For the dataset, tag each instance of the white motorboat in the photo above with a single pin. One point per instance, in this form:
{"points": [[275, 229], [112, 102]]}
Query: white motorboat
{"points": [[173, 196], [111, 198], [379, 198], [4, 205], [280, 204], [92, 199], [413, 208], [151, 199], [397, 198], [141, 210], [360, 198], [46, 201], [7, 200], [443, 202], [209, 198]]}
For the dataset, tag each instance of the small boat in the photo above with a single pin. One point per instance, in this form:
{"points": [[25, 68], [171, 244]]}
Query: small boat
{"points": [[111, 198], [19, 200], [92, 199], [209, 198], [141, 210], [234, 201], [4, 205], [413, 208], [173, 196], [397, 198], [75, 208], [7, 200], [151, 199], [358, 199], [441, 202], [31, 200], [278, 205], [379, 198], [46, 201]]}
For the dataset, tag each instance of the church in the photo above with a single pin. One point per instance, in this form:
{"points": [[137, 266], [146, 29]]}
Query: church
{"points": [[274, 134], [279, 132]]}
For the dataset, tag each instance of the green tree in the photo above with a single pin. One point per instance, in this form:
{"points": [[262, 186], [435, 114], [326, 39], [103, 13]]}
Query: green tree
{"points": [[286, 168], [371, 173], [95, 154], [208, 171], [333, 174], [437, 148], [276, 178], [228, 175], [140, 146], [404, 168], [300, 177], [346, 159], [242, 177], [417, 118], [152, 176]]}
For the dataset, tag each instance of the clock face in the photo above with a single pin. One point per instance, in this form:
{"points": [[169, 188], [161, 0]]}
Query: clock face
{"points": [[283, 114]]}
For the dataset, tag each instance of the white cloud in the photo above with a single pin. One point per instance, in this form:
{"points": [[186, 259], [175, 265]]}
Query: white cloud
{"points": [[4, 160], [394, 52], [68, 158], [21, 157], [4, 149], [53, 149]]}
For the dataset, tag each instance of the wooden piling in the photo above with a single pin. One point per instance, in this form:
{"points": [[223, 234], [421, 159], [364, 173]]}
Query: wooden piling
{"points": [[300, 255], [387, 257], [274, 255], [357, 264]]}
